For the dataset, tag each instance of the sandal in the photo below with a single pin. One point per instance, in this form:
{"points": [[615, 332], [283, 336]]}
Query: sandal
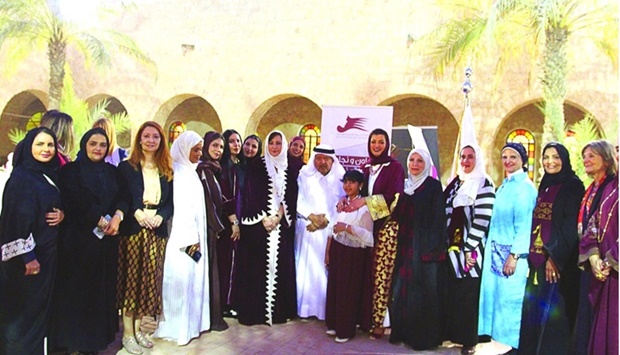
{"points": [[143, 341], [131, 345]]}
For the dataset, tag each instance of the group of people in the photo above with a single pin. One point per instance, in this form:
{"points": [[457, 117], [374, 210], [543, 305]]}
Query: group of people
{"points": [[211, 228]]}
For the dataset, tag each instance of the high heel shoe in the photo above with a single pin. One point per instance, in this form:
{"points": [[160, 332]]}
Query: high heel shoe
{"points": [[131, 345], [143, 341]]}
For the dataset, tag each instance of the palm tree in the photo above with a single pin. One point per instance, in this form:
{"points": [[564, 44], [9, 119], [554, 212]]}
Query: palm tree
{"points": [[28, 26], [509, 30]]}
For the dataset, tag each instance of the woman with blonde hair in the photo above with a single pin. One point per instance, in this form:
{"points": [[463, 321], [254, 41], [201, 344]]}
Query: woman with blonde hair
{"points": [[146, 194], [598, 250], [600, 163], [116, 154], [62, 125]]}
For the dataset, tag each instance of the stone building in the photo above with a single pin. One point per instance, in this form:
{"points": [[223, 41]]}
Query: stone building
{"points": [[255, 66]]}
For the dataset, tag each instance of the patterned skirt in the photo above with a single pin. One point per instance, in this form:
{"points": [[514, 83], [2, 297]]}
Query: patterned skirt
{"points": [[140, 273], [383, 265]]}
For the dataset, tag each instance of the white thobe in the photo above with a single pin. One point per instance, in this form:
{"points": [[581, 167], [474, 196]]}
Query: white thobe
{"points": [[318, 194]]}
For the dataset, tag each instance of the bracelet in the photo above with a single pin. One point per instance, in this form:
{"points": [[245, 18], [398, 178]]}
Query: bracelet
{"points": [[120, 215]]}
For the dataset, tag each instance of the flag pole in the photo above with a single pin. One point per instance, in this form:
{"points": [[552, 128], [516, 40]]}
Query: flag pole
{"points": [[466, 87]]}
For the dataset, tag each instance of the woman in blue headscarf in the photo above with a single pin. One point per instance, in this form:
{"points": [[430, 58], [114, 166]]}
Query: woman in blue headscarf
{"points": [[504, 270]]}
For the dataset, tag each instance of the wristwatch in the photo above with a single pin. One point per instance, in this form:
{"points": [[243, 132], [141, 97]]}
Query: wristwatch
{"points": [[235, 222], [518, 256]]}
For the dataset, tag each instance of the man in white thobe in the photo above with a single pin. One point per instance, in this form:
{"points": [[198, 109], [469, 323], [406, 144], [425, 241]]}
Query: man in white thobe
{"points": [[320, 189]]}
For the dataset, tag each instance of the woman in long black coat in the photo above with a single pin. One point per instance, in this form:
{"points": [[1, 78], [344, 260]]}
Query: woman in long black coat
{"points": [[420, 251], [85, 314], [264, 282], [28, 240]]}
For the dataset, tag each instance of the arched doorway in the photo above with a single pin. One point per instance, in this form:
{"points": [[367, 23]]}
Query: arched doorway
{"points": [[418, 110], [115, 107], [190, 112], [16, 114], [527, 117], [287, 113]]}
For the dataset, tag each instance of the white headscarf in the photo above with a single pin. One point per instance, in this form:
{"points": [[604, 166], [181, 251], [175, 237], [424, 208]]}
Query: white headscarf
{"points": [[276, 166], [337, 168], [466, 195], [181, 148], [189, 223], [413, 182]]}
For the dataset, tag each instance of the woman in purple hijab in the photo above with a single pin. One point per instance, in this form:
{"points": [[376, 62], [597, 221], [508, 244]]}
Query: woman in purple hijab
{"points": [[384, 179]]}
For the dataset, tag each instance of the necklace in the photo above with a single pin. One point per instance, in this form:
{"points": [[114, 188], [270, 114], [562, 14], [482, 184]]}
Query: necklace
{"points": [[601, 234], [150, 165], [354, 198], [373, 170]]}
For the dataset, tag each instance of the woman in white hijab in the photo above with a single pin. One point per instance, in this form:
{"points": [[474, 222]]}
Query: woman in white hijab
{"points": [[469, 203], [420, 251], [186, 267], [264, 276]]}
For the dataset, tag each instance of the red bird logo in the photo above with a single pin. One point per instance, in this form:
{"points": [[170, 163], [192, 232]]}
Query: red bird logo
{"points": [[352, 123]]}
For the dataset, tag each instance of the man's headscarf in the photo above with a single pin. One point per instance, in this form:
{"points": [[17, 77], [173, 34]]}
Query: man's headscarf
{"points": [[324, 149]]}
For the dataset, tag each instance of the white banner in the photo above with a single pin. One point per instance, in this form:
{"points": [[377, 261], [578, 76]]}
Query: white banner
{"points": [[346, 129]]}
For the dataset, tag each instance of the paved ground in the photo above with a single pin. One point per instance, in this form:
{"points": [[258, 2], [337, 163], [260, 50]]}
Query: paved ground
{"points": [[295, 337]]}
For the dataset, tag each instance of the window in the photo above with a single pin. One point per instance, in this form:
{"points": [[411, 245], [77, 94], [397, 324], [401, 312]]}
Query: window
{"points": [[527, 140], [312, 136], [175, 129]]}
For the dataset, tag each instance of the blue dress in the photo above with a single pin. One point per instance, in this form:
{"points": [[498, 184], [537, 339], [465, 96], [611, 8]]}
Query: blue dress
{"points": [[501, 297]]}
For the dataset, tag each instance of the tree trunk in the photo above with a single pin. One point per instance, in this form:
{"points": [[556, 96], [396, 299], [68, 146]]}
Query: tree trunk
{"points": [[57, 56], [554, 84]]}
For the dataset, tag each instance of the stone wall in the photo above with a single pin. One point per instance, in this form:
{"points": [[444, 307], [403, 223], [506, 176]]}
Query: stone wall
{"points": [[240, 56]]}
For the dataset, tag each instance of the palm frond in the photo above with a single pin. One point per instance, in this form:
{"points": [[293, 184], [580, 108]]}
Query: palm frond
{"points": [[450, 44], [98, 45], [16, 135], [122, 122], [585, 130], [98, 111]]}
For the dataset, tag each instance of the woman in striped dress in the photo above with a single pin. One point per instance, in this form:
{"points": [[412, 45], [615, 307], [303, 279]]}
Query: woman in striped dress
{"points": [[469, 203]]}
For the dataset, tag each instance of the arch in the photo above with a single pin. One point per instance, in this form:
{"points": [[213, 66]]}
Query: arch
{"points": [[115, 106], [528, 117], [193, 111], [287, 112], [419, 110], [16, 114]]}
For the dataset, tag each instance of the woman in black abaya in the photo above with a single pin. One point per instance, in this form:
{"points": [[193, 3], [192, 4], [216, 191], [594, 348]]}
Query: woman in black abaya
{"points": [[85, 313], [28, 242]]}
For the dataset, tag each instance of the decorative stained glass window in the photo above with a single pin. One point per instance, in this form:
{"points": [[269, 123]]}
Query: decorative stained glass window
{"points": [[175, 129], [311, 134], [526, 138]]}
